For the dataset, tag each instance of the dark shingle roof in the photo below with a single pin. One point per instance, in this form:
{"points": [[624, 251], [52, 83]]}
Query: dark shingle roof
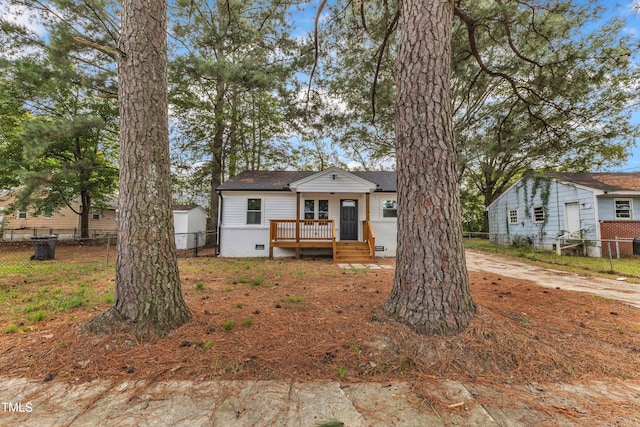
{"points": [[605, 181], [280, 180]]}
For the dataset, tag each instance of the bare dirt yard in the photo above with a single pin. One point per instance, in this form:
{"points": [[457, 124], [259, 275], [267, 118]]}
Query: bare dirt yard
{"points": [[309, 319]]}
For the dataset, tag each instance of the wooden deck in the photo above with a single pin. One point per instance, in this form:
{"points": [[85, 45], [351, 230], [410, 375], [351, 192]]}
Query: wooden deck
{"points": [[320, 233]]}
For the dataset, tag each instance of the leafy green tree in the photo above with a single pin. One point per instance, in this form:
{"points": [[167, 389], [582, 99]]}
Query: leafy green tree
{"points": [[535, 86], [66, 148], [229, 86]]}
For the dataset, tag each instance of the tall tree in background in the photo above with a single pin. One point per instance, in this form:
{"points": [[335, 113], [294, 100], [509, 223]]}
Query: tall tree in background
{"points": [[431, 287], [148, 296], [572, 70], [64, 147], [229, 87]]}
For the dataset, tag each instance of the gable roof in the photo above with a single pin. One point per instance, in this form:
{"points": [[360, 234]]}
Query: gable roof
{"points": [[280, 180], [604, 181]]}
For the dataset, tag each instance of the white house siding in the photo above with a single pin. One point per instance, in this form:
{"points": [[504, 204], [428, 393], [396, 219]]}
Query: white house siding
{"points": [[385, 229], [344, 183], [520, 196], [237, 239]]}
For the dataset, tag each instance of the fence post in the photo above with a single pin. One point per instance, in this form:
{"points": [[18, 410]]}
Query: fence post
{"points": [[195, 252], [108, 246], [610, 258], [617, 248]]}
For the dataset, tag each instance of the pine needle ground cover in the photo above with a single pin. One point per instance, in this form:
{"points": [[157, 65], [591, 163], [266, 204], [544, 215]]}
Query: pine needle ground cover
{"points": [[308, 320]]}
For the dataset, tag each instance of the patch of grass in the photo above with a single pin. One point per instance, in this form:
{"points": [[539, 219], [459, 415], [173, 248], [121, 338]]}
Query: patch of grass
{"points": [[247, 322], [292, 299], [239, 305], [330, 423], [109, 298], [342, 372], [228, 288], [228, 325], [36, 317], [204, 345], [11, 329], [242, 280], [200, 286], [257, 281]]}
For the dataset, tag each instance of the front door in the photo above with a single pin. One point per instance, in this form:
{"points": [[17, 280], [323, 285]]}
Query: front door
{"points": [[348, 220]]}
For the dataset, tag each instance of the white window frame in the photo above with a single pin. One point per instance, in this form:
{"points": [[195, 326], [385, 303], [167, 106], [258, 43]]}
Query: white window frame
{"points": [[389, 209], [513, 221], [96, 214], [315, 212], [615, 209], [533, 214], [22, 215], [261, 211]]}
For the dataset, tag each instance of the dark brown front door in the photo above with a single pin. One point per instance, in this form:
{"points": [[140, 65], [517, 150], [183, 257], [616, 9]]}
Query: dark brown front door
{"points": [[348, 220]]}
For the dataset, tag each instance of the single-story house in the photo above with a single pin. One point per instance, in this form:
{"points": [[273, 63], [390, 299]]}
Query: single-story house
{"points": [[592, 211], [64, 222], [190, 223], [347, 215]]}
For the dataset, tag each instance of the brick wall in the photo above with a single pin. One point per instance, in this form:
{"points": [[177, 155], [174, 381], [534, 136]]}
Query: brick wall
{"points": [[609, 230]]}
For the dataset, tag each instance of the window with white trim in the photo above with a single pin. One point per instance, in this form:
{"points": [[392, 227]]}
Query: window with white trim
{"points": [[310, 209], [513, 216], [21, 215], [254, 211], [96, 214], [538, 214], [623, 208], [389, 208]]}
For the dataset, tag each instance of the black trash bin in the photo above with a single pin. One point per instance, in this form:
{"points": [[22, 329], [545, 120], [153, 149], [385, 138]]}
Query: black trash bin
{"points": [[44, 247], [636, 246]]}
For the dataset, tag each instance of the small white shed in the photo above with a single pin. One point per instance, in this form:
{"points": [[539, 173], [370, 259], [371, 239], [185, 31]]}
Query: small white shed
{"points": [[190, 223]]}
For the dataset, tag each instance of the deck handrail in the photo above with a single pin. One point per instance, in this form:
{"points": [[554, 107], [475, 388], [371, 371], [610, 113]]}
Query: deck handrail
{"points": [[369, 236], [304, 229]]}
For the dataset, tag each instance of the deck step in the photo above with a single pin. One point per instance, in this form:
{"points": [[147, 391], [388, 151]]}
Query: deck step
{"points": [[352, 251]]}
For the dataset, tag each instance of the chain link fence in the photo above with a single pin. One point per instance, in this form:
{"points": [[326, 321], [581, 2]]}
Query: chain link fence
{"points": [[50, 252], [618, 257]]}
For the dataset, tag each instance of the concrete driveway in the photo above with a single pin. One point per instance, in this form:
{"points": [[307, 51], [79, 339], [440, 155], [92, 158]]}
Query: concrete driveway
{"points": [[620, 290]]}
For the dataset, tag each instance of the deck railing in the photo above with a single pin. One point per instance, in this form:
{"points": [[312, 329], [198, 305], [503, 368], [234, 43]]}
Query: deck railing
{"points": [[305, 229], [369, 236]]}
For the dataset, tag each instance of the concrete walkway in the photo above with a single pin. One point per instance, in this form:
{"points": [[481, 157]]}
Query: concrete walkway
{"points": [[614, 289], [315, 403]]}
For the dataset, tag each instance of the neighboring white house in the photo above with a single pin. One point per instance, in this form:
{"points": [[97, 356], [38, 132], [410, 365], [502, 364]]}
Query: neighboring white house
{"points": [[348, 215], [190, 223], [567, 208]]}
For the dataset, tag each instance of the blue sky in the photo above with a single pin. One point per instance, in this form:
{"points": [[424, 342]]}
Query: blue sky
{"points": [[624, 9]]}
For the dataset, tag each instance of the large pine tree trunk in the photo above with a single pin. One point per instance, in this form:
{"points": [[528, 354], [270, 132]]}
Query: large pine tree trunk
{"points": [[148, 297], [431, 287]]}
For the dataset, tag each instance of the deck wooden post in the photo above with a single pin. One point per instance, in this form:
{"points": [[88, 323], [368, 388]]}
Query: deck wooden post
{"points": [[297, 224], [368, 203]]}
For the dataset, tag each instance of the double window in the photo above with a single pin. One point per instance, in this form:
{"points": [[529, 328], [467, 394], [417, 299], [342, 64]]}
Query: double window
{"points": [[623, 208], [254, 211], [316, 209]]}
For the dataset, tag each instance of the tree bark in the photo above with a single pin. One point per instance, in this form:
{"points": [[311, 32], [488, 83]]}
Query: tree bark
{"points": [[431, 286], [85, 201], [148, 298]]}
